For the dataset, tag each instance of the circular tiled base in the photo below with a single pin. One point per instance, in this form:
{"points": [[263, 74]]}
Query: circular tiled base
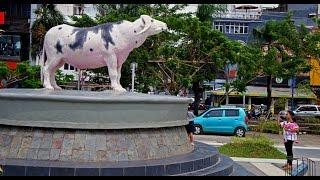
{"points": [[204, 160], [67, 145]]}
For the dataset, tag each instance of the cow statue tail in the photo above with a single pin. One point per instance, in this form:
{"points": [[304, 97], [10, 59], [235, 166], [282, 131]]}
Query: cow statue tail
{"points": [[42, 63]]}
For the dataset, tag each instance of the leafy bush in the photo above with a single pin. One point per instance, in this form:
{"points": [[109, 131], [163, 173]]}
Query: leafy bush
{"points": [[269, 126], [252, 147], [311, 120], [63, 79], [4, 71]]}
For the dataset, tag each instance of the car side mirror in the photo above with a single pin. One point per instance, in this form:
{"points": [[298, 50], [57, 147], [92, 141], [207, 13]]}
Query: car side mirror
{"points": [[206, 116], [298, 110]]}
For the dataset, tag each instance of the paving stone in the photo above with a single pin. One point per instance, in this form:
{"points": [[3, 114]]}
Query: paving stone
{"points": [[54, 154], [26, 142], [5, 140], [79, 141], [44, 154], [90, 142], [58, 134], [67, 144], [32, 153], [36, 142], [38, 133], [101, 142], [4, 152], [22, 154], [101, 155], [57, 143]]}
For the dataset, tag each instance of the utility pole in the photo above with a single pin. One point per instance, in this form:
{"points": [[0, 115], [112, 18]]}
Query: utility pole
{"points": [[227, 84], [134, 65], [79, 79], [292, 91]]}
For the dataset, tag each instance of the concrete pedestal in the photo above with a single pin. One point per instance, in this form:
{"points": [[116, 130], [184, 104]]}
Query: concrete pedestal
{"points": [[99, 133]]}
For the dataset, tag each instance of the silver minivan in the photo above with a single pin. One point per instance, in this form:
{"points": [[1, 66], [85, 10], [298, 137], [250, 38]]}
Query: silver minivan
{"points": [[307, 110]]}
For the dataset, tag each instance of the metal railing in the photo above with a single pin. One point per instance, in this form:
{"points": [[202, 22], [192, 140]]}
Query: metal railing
{"points": [[313, 167], [303, 167]]}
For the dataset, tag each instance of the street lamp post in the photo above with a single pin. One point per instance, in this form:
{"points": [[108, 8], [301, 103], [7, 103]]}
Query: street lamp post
{"points": [[292, 91], [134, 66], [79, 79]]}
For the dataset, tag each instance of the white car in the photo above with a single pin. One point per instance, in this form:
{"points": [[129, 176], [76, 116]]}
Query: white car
{"points": [[307, 110]]}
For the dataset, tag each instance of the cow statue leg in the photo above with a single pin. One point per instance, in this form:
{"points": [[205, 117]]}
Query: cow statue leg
{"points": [[49, 74], [119, 77], [53, 76], [112, 65], [46, 77]]}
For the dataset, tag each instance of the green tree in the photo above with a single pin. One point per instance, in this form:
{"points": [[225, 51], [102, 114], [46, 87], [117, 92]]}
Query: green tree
{"points": [[47, 17], [83, 21], [205, 12], [189, 53], [283, 46]]}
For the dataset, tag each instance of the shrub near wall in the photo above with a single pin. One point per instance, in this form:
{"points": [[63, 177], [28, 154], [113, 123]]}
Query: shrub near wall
{"points": [[270, 126]]}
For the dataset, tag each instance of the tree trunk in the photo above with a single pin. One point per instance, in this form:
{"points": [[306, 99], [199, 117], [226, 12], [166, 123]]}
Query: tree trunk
{"points": [[197, 94], [269, 91]]}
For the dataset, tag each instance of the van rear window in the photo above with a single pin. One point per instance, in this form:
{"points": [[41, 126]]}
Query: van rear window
{"points": [[231, 112]]}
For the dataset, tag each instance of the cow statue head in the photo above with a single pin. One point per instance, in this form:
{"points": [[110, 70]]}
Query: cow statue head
{"points": [[149, 26]]}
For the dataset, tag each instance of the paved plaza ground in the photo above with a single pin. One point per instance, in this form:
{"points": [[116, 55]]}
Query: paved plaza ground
{"points": [[308, 146]]}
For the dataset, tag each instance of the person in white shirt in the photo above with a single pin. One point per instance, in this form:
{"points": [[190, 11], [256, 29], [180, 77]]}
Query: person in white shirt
{"points": [[290, 129], [190, 127]]}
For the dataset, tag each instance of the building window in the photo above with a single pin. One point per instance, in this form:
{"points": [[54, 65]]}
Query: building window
{"points": [[10, 47], [66, 66], [245, 30], [227, 29], [218, 26], [240, 28], [237, 29], [78, 9]]}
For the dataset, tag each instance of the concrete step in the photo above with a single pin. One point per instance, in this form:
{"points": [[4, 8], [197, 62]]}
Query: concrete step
{"points": [[224, 167]]}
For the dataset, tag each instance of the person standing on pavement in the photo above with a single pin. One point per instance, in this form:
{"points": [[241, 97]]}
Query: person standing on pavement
{"points": [[190, 126], [290, 130]]}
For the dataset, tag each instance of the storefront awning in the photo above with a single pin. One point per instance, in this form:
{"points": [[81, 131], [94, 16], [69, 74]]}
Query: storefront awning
{"points": [[254, 91]]}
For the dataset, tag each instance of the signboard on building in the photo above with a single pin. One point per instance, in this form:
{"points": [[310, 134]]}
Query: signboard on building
{"points": [[315, 72], [2, 15]]}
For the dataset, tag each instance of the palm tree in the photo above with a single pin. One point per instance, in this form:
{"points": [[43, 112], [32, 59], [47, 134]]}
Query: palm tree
{"points": [[47, 17]]}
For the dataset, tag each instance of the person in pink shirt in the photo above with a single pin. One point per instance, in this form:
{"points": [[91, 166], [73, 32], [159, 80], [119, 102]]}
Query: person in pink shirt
{"points": [[290, 130]]}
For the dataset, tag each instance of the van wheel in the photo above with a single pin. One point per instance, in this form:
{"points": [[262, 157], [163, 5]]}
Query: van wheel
{"points": [[240, 132], [198, 129]]}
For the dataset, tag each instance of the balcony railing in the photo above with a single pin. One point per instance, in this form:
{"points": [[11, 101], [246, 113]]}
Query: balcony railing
{"points": [[238, 15]]}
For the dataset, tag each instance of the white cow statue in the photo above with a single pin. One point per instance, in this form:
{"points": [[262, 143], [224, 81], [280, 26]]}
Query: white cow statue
{"points": [[107, 44]]}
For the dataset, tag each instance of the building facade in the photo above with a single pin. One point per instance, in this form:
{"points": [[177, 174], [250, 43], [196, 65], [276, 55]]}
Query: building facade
{"points": [[15, 40], [238, 24]]}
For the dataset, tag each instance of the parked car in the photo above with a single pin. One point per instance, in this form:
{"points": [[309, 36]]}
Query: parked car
{"points": [[222, 120], [307, 110]]}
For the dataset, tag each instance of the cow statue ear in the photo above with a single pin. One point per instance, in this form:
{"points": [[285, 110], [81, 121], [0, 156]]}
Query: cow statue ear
{"points": [[145, 24]]}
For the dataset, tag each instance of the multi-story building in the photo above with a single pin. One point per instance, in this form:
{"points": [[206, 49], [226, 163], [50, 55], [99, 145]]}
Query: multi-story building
{"points": [[15, 40], [239, 23]]}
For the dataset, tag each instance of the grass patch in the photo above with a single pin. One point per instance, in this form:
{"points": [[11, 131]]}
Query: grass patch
{"points": [[252, 147]]}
